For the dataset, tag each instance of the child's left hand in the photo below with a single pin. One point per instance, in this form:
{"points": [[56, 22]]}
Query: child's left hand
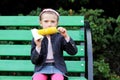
{"points": [[63, 32]]}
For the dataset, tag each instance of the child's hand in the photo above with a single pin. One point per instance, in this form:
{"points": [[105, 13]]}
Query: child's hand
{"points": [[63, 32], [38, 43]]}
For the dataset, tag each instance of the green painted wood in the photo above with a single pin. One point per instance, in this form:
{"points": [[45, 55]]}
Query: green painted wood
{"points": [[71, 21], [77, 78], [81, 52], [15, 35], [29, 78], [15, 77], [27, 66], [24, 50], [34, 21]]}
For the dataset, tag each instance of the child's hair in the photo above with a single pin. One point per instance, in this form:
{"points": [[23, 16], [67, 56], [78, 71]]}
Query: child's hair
{"points": [[50, 11]]}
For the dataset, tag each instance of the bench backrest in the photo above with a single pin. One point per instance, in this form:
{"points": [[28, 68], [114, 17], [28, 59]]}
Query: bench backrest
{"points": [[15, 45]]}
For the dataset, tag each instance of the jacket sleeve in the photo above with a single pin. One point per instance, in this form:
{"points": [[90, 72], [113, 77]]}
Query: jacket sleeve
{"points": [[36, 58], [70, 47]]}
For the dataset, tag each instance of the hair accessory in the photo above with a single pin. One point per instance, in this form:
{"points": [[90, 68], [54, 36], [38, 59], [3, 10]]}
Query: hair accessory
{"points": [[49, 10]]}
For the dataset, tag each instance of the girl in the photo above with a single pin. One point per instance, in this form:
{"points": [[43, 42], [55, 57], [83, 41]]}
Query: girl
{"points": [[47, 54]]}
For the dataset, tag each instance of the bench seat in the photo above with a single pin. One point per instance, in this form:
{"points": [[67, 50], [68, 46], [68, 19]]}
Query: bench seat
{"points": [[24, 50], [26, 65], [29, 78], [15, 46]]}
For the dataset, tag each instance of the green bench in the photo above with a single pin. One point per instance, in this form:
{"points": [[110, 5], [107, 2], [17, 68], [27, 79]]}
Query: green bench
{"points": [[15, 45]]}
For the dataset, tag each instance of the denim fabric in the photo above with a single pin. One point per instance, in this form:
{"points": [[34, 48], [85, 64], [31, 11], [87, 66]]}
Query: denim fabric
{"points": [[49, 69]]}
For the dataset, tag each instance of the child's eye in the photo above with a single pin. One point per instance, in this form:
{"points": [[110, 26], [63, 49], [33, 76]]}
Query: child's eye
{"points": [[53, 21], [46, 21]]}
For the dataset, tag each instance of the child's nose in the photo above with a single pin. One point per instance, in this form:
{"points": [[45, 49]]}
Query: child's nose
{"points": [[49, 24]]}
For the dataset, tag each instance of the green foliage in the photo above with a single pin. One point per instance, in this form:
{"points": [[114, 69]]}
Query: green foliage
{"points": [[116, 35], [62, 11], [106, 40], [81, 1], [35, 12], [118, 20], [101, 68], [69, 12], [72, 1], [113, 76]]}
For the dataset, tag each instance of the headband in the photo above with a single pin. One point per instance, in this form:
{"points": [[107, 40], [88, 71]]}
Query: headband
{"points": [[49, 10]]}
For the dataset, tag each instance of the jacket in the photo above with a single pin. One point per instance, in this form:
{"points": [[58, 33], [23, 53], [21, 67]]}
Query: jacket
{"points": [[59, 45]]}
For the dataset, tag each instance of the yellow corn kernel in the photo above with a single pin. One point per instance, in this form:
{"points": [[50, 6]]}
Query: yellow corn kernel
{"points": [[48, 31]]}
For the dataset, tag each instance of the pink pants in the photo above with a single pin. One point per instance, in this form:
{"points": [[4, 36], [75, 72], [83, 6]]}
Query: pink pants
{"points": [[56, 76]]}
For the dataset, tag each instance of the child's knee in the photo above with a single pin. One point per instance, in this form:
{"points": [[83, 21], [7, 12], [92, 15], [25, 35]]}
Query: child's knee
{"points": [[39, 77], [57, 77]]}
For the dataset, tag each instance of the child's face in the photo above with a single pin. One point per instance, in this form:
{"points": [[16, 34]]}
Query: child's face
{"points": [[49, 20]]}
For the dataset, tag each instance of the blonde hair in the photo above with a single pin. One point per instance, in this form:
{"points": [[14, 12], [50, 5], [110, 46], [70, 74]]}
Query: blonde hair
{"points": [[50, 11]]}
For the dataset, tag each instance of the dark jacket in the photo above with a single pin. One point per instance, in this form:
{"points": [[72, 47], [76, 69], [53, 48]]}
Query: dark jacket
{"points": [[58, 44]]}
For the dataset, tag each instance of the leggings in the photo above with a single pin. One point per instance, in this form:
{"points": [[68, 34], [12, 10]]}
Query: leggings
{"points": [[55, 76]]}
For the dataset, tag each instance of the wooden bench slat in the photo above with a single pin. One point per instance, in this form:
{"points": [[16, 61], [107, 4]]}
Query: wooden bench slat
{"points": [[27, 35], [26, 65], [30, 77], [77, 78], [15, 35], [24, 50], [15, 77], [34, 21]]}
